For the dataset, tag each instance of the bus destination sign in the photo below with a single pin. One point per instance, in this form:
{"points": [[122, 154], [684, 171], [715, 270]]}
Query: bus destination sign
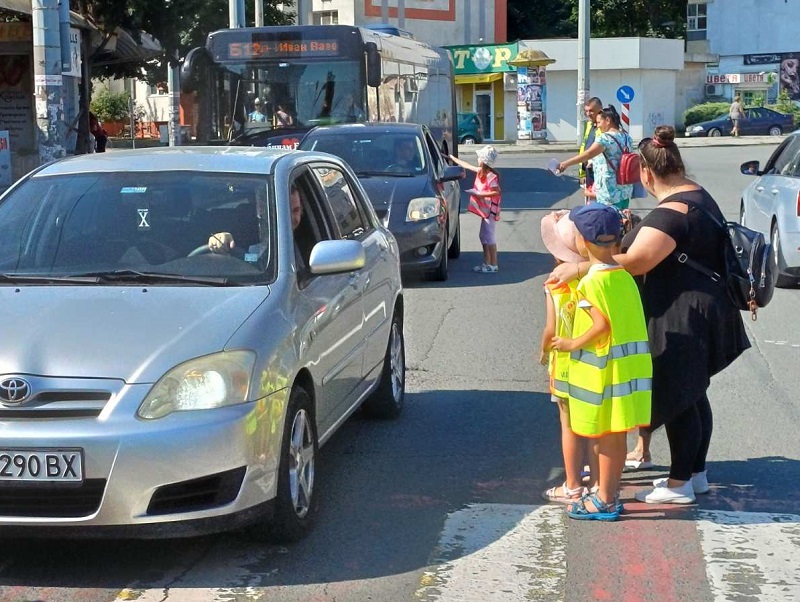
{"points": [[283, 49]]}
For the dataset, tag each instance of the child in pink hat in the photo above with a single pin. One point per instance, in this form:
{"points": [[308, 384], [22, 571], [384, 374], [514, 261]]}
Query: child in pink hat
{"points": [[559, 237]]}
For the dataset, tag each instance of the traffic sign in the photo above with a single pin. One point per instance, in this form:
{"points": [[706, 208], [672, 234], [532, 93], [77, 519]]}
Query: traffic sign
{"points": [[625, 94]]}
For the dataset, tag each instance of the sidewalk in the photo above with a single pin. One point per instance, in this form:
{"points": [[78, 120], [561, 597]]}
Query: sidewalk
{"points": [[571, 147]]}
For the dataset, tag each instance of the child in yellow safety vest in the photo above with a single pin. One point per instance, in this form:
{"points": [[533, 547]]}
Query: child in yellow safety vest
{"points": [[610, 368], [559, 237]]}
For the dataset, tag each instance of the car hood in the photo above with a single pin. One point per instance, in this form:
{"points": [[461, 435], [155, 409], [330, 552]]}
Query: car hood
{"points": [[385, 191], [131, 333]]}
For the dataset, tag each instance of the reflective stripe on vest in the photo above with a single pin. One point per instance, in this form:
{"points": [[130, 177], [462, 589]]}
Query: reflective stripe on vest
{"points": [[616, 352], [638, 385]]}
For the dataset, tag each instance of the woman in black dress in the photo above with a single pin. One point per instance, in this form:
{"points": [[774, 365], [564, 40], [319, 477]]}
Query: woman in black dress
{"points": [[693, 328]]}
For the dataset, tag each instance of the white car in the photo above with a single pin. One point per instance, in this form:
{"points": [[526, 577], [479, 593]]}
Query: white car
{"points": [[771, 205]]}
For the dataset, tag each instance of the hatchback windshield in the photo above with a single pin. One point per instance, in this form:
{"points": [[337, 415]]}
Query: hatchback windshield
{"points": [[137, 224], [371, 153]]}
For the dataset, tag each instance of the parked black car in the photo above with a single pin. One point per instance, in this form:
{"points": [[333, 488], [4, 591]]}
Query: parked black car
{"points": [[415, 193], [758, 121]]}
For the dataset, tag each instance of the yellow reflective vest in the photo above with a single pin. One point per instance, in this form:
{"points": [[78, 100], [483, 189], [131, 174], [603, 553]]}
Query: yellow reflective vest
{"points": [[564, 301], [610, 383], [586, 131]]}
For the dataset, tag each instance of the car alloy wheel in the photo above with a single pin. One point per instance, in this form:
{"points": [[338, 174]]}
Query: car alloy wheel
{"points": [[440, 273], [387, 400], [714, 133], [468, 140], [775, 131], [296, 499], [782, 280]]}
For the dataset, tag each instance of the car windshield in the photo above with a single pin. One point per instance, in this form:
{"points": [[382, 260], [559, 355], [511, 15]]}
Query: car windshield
{"points": [[137, 226], [379, 153]]}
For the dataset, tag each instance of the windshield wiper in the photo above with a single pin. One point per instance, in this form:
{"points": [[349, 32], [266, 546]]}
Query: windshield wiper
{"points": [[42, 279], [157, 277], [396, 174]]}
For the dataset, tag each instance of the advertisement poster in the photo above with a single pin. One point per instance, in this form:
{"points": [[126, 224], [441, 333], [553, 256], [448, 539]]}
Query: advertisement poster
{"points": [[16, 101], [789, 74], [531, 102], [5, 160]]}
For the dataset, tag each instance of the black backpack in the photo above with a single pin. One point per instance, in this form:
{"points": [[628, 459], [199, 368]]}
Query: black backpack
{"points": [[749, 278]]}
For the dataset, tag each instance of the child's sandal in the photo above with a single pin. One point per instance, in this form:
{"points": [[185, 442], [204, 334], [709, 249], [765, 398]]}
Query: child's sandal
{"points": [[602, 511], [563, 495]]}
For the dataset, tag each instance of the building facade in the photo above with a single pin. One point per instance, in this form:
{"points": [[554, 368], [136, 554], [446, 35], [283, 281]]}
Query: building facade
{"points": [[753, 46], [436, 22]]}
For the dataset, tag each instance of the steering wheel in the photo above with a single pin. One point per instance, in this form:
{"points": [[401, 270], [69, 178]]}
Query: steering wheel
{"points": [[201, 250]]}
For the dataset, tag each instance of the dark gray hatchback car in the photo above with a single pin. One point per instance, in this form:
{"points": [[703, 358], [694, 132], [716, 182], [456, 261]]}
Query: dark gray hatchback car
{"points": [[415, 193]]}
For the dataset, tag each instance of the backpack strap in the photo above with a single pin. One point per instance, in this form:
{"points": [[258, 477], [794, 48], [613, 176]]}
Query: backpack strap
{"points": [[684, 258]]}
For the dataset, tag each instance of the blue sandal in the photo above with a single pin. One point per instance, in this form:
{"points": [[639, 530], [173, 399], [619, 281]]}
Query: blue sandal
{"points": [[604, 512]]}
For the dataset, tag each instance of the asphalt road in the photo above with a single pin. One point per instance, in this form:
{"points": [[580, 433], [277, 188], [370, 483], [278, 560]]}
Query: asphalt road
{"points": [[444, 503]]}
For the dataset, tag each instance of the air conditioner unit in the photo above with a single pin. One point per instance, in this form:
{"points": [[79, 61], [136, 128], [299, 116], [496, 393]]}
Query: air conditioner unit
{"points": [[510, 82], [712, 90]]}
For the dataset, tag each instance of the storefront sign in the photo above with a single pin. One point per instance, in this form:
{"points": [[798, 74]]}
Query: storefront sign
{"points": [[16, 32], [724, 78], [74, 53], [762, 59], [531, 103], [492, 58]]}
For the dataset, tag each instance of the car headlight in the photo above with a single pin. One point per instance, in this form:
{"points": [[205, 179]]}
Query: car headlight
{"points": [[696, 128], [204, 383], [423, 208]]}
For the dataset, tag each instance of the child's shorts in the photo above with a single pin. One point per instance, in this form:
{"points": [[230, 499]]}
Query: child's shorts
{"points": [[486, 234]]}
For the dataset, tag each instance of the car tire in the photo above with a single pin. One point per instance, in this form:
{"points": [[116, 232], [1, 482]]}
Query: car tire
{"points": [[386, 402], [714, 133], [440, 273], [783, 280], [469, 140], [455, 247], [775, 130], [296, 501], [742, 215]]}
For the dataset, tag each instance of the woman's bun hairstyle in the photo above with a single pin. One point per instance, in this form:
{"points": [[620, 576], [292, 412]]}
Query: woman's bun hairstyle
{"points": [[665, 135], [660, 154]]}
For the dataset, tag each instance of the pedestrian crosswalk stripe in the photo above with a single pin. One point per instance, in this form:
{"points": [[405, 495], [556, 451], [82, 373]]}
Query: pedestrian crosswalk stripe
{"points": [[501, 552], [751, 555]]}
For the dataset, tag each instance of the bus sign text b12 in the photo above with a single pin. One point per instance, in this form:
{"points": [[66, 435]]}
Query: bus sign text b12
{"points": [[283, 49]]}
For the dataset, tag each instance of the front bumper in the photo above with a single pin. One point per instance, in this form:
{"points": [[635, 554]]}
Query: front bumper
{"points": [[421, 244], [149, 478]]}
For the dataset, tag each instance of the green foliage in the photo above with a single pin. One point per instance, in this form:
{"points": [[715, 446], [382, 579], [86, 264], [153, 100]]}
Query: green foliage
{"points": [[788, 106], [759, 100], [609, 18], [178, 25], [111, 106], [705, 112]]}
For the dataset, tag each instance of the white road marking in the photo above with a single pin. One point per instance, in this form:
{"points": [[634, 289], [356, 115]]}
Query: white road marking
{"points": [[751, 555], [506, 552]]}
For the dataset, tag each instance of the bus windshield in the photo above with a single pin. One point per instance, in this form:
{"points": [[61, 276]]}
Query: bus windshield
{"points": [[285, 95]]}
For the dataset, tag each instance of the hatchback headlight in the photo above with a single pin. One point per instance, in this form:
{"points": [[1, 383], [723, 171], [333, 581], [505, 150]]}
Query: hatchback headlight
{"points": [[423, 208], [204, 383]]}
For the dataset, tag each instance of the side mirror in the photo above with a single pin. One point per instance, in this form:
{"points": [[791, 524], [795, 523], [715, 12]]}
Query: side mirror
{"points": [[453, 172], [336, 257], [750, 168], [192, 69], [373, 65]]}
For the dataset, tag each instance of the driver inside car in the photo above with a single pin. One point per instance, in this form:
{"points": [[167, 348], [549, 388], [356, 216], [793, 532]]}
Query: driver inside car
{"points": [[405, 153]]}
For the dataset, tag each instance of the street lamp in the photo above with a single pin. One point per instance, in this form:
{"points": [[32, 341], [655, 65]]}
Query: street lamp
{"points": [[584, 35]]}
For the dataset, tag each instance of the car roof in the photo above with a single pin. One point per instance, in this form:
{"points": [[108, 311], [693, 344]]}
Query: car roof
{"points": [[213, 159], [368, 128]]}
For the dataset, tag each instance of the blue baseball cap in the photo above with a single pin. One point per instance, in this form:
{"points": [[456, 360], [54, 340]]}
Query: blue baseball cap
{"points": [[599, 224]]}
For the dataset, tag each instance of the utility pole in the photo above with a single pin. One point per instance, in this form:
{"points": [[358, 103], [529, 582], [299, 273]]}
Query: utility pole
{"points": [[48, 80], [584, 36], [174, 114], [259, 13], [235, 13]]}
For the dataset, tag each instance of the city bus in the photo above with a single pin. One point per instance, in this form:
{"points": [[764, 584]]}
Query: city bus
{"points": [[267, 86]]}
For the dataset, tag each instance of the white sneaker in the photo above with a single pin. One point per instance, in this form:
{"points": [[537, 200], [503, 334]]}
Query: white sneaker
{"points": [[661, 494], [700, 482]]}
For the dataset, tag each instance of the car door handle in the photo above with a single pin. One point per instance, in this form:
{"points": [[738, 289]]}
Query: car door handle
{"points": [[759, 189], [775, 191]]}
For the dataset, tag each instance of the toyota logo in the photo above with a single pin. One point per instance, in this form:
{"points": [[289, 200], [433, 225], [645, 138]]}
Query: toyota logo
{"points": [[14, 390]]}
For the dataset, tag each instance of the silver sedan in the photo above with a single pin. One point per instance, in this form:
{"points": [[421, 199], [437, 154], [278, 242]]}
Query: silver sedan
{"points": [[155, 384]]}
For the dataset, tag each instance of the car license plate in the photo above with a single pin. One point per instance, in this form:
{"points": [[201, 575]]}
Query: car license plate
{"points": [[41, 465]]}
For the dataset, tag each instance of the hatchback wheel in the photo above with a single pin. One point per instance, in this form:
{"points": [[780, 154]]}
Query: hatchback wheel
{"points": [[783, 280], [440, 273], [714, 133], [296, 502], [387, 400], [775, 130], [455, 247], [468, 140]]}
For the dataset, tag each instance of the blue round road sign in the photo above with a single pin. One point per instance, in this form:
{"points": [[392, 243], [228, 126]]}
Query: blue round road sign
{"points": [[625, 94]]}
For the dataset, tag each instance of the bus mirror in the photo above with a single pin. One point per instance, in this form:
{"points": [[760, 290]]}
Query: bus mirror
{"points": [[192, 69], [373, 65]]}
